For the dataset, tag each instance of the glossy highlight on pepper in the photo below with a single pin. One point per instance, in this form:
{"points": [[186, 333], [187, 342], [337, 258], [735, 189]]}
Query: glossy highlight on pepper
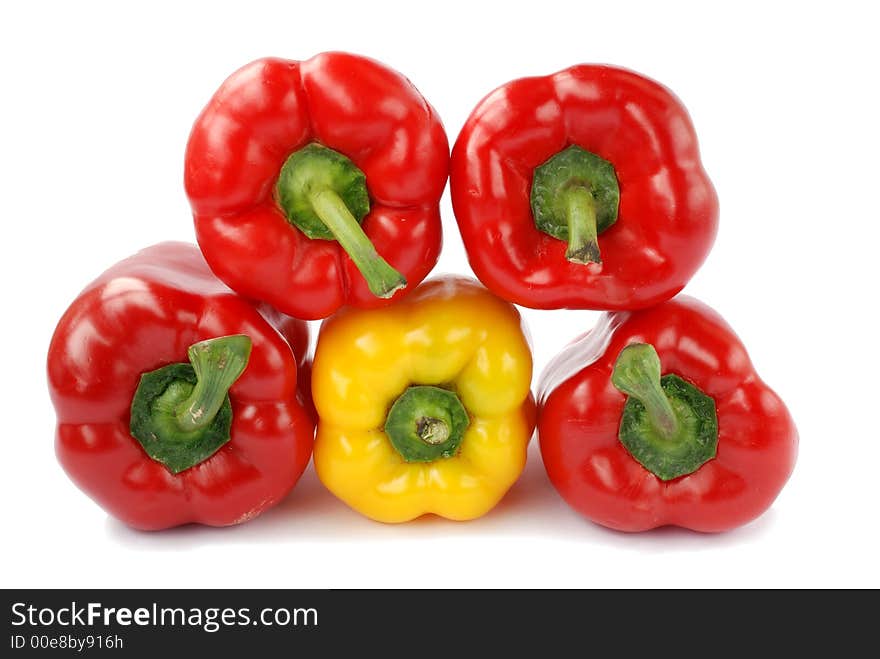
{"points": [[425, 406], [316, 184]]}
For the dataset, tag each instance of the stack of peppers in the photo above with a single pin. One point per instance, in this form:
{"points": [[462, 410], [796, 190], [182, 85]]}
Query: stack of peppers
{"points": [[181, 375]]}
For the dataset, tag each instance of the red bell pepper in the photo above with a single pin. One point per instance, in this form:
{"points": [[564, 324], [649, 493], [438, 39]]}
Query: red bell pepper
{"points": [[160, 441], [707, 446], [288, 158], [582, 189]]}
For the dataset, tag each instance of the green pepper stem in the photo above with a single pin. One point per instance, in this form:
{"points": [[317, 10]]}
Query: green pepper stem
{"points": [[583, 243], [426, 423], [217, 363], [382, 279], [637, 374]]}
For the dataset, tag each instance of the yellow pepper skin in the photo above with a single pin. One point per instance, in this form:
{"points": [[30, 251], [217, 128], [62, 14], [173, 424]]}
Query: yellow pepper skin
{"points": [[450, 333]]}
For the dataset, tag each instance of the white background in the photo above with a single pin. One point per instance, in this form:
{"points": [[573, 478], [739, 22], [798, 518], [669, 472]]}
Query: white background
{"points": [[97, 102]]}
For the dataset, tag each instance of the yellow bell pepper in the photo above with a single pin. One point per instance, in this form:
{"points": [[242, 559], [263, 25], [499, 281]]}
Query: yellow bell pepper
{"points": [[424, 406]]}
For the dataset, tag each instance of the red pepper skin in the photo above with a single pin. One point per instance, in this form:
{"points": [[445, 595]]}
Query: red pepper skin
{"points": [[273, 107], [580, 414], [668, 213], [142, 314]]}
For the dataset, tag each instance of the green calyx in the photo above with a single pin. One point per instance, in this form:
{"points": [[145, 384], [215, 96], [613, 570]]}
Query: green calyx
{"points": [[180, 413], [575, 197], [668, 425], [426, 424], [324, 195]]}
